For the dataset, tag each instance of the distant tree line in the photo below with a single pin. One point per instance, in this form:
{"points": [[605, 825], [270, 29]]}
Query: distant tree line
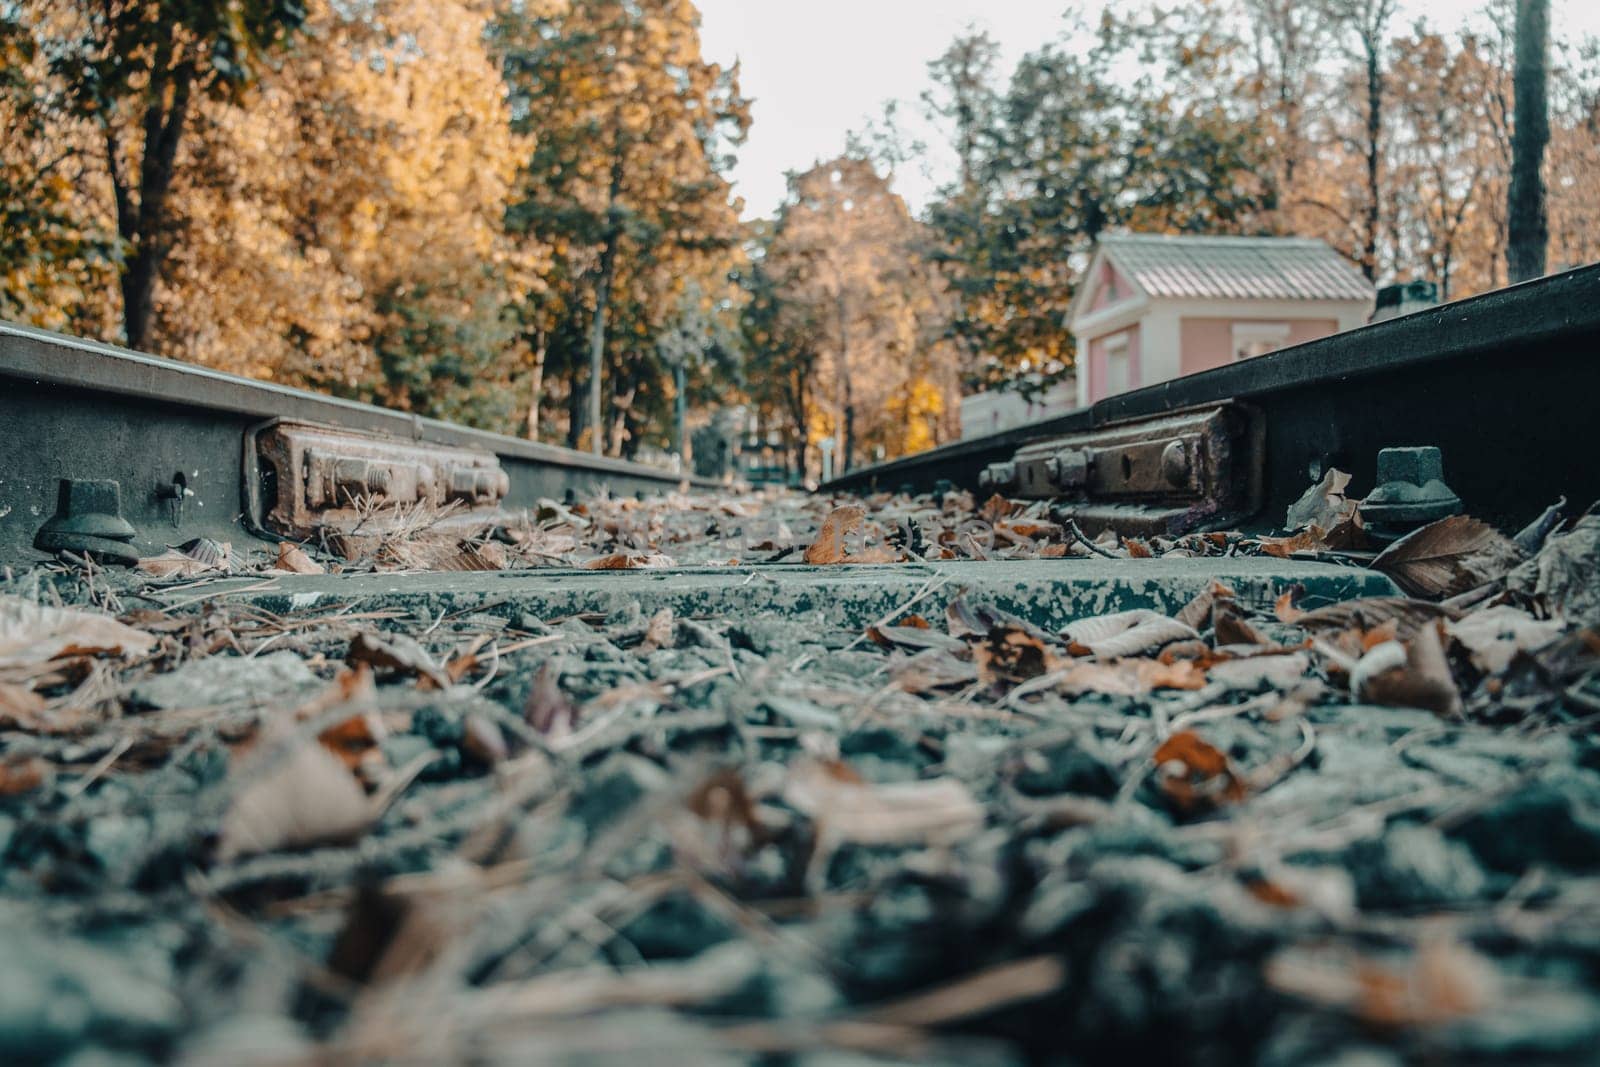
{"points": [[517, 213]]}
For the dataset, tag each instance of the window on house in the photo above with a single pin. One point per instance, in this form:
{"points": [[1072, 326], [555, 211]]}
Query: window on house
{"points": [[1258, 338], [1117, 380]]}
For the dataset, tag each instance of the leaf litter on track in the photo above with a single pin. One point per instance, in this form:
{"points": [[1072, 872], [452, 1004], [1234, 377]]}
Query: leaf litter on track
{"points": [[1242, 833]]}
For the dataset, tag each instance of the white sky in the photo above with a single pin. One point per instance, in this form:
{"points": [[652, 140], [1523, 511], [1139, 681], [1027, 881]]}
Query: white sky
{"points": [[819, 68]]}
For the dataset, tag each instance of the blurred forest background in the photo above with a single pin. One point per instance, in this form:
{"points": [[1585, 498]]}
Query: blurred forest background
{"points": [[460, 207]]}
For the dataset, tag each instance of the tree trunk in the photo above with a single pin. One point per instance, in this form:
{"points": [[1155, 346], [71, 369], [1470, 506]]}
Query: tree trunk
{"points": [[1527, 225], [536, 386], [602, 297], [597, 340], [140, 225], [1369, 255]]}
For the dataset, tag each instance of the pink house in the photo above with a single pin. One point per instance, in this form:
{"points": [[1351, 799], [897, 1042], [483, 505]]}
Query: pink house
{"points": [[1152, 307]]}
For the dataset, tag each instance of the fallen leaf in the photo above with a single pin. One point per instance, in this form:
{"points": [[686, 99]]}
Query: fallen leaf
{"points": [[1137, 549], [1564, 578], [548, 709], [353, 738], [1369, 613], [1494, 636], [20, 706], [1230, 628], [1252, 673], [1284, 611], [1010, 654], [625, 561], [829, 547], [292, 558], [916, 637], [1414, 675], [1442, 982], [661, 632], [1448, 557], [33, 634], [1127, 633], [483, 740], [23, 774], [1196, 774], [932, 669], [938, 810], [1197, 612], [1128, 677], [306, 797], [396, 652], [1324, 505]]}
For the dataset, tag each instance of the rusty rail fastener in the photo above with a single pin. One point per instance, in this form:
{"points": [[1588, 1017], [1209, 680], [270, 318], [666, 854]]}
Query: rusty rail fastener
{"points": [[88, 522]]}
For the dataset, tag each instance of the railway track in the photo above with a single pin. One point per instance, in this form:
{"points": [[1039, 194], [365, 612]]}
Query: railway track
{"points": [[1098, 769], [188, 447]]}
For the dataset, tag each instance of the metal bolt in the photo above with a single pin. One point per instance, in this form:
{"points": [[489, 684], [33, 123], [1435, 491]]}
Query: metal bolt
{"points": [[1417, 466], [1411, 492], [998, 476], [1069, 468], [88, 522], [1175, 463]]}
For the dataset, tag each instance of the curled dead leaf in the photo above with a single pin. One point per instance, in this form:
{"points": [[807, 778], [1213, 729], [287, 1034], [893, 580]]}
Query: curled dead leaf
{"points": [[293, 558], [847, 809], [33, 634], [1448, 557], [1010, 654], [396, 652], [1413, 675], [1196, 774], [305, 797], [630, 561], [1127, 633], [830, 546], [23, 774]]}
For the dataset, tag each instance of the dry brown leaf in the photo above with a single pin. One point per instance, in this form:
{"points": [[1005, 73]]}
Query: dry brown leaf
{"points": [[1442, 982], [483, 740], [23, 774], [1415, 675], [874, 554], [1195, 774], [626, 561], [548, 709], [661, 632], [307, 797], [1324, 505], [33, 634], [845, 808], [1137, 549], [1231, 629], [1010, 654], [1129, 677], [932, 669], [20, 706], [353, 738], [915, 637], [1494, 636], [1448, 557], [1127, 633], [1371, 612], [292, 558], [1279, 672], [1197, 612], [830, 546], [1285, 611], [396, 652]]}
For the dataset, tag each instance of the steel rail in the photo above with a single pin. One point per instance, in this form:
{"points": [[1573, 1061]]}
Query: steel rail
{"points": [[1505, 384], [77, 409]]}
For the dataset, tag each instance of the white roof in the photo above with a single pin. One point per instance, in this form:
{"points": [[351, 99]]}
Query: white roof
{"points": [[1231, 268]]}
